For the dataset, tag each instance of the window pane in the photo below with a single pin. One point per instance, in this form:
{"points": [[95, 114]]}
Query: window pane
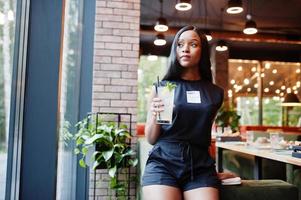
{"points": [[66, 177], [272, 111], [243, 88], [278, 80], [7, 34], [149, 68], [247, 108]]}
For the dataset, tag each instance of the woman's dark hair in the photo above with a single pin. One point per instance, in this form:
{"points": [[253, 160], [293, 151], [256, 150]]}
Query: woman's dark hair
{"points": [[175, 69]]}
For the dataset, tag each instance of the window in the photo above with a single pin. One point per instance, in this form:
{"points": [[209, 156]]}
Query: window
{"points": [[7, 30], [276, 80], [69, 98], [149, 68]]}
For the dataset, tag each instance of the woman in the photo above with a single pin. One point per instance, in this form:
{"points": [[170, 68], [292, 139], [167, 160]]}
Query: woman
{"points": [[179, 165]]}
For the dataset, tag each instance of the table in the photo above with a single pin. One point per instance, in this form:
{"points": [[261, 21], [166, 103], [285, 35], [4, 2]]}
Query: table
{"points": [[258, 153]]}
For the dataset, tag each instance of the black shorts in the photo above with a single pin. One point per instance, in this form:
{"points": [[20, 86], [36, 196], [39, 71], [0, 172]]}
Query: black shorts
{"points": [[180, 165]]}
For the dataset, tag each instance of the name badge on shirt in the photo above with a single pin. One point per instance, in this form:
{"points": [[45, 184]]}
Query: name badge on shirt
{"points": [[193, 97]]}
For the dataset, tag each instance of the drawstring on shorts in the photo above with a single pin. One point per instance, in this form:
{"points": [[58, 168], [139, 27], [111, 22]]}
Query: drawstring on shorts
{"points": [[187, 146]]}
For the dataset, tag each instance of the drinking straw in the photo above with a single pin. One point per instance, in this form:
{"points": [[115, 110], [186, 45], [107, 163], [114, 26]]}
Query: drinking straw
{"points": [[157, 85]]}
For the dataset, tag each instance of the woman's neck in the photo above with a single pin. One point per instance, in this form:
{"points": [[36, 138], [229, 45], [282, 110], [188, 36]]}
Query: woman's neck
{"points": [[191, 75]]}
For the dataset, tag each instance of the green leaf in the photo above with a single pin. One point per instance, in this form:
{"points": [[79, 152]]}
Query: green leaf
{"points": [[79, 141], [108, 154], [122, 132], [133, 162], [76, 151], [82, 163], [96, 163], [170, 86], [113, 182], [118, 158], [95, 154], [130, 152], [112, 171], [93, 139], [84, 150]]}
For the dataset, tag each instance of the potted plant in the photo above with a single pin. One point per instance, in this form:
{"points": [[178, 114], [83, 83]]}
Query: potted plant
{"points": [[105, 145], [228, 118]]}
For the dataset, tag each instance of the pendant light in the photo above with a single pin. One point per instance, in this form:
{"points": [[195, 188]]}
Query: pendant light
{"points": [[234, 7], [208, 35], [160, 40], [161, 23], [207, 32], [291, 99], [183, 5], [250, 27], [221, 46]]}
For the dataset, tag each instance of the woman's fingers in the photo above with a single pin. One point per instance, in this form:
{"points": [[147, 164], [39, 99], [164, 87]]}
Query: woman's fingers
{"points": [[157, 106]]}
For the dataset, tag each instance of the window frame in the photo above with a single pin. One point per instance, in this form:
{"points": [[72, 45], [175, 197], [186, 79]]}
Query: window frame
{"points": [[32, 164]]}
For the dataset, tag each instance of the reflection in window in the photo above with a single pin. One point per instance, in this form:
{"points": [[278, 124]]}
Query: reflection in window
{"points": [[69, 97], [7, 34], [149, 68]]}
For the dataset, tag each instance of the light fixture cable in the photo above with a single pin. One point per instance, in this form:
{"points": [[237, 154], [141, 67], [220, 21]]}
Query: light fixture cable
{"points": [[250, 25], [161, 23], [207, 32]]}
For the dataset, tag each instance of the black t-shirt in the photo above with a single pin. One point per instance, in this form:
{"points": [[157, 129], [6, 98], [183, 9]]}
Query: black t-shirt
{"points": [[195, 106]]}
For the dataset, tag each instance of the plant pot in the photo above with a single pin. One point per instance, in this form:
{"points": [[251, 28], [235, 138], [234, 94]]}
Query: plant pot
{"points": [[140, 129]]}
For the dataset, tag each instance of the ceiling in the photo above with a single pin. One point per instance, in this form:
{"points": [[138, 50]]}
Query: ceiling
{"points": [[278, 22]]}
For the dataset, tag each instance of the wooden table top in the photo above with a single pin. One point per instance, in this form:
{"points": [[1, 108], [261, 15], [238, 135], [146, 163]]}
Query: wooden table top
{"points": [[264, 152]]}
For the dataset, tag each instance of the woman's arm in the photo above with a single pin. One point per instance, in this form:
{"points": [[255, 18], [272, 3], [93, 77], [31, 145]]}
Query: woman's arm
{"points": [[152, 129]]}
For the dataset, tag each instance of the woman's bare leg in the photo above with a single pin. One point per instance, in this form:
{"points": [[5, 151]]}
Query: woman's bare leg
{"points": [[161, 192], [205, 193]]}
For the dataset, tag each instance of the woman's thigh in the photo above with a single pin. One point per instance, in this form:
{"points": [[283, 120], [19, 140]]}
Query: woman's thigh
{"points": [[161, 192], [204, 193]]}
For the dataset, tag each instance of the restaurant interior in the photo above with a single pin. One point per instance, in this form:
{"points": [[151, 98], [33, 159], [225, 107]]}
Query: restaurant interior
{"points": [[255, 57], [75, 79]]}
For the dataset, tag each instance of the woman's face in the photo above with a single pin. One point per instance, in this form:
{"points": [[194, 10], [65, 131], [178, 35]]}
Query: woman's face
{"points": [[189, 49]]}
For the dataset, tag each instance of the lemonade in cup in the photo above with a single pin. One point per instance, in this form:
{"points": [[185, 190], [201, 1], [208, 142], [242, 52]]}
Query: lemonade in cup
{"points": [[166, 94]]}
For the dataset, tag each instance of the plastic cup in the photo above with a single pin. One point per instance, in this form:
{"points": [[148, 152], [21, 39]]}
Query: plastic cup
{"points": [[167, 96], [249, 138], [275, 139]]}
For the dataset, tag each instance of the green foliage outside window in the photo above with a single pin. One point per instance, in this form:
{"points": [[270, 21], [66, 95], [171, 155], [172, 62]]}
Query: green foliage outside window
{"points": [[294, 115], [147, 75], [272, 112]]}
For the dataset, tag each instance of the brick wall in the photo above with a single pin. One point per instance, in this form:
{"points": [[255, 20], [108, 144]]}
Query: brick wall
{"points": [[116, 57]]}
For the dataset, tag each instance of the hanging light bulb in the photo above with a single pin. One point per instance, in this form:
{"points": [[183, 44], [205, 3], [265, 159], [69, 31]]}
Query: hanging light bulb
{"points": [[183, 5], [221, 46], [161, 23], [207, 32], [208, 35], [234, 7], [250, 27], [160, 40]]}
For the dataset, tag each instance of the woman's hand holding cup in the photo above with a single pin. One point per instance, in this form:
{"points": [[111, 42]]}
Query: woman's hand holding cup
{"points": [[157, 106]]}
